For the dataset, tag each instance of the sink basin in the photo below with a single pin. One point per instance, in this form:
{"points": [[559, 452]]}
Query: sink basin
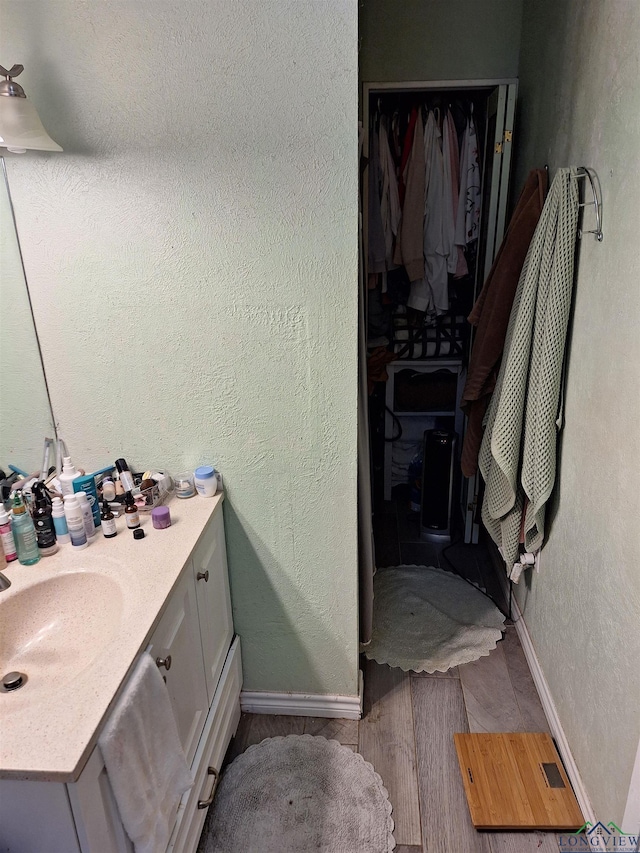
{"points": [[57, 627]]}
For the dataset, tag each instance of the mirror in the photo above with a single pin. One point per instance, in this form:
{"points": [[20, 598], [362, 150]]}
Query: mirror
{"points": [[26, 417]]}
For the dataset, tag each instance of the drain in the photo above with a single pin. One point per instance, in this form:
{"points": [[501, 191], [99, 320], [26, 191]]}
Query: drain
{"points": [[13, 681]]}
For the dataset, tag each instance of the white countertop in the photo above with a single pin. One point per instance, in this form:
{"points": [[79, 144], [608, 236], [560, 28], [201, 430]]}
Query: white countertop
{"points": [[49, 726]]}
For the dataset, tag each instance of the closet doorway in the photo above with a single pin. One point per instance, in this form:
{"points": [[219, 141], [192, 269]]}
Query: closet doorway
{"points": [[425, 354]]}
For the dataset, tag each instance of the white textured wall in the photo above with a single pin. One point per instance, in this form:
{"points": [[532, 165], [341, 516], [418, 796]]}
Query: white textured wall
{"points": [[439, 39], [580, 104], [193, 259], [25, 417]]}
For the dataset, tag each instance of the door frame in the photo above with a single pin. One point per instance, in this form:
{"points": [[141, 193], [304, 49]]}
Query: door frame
{"points": [[503, 171]]}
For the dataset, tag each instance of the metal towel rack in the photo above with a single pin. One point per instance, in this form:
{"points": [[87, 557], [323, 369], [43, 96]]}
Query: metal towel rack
{"points": [[594, 182]]}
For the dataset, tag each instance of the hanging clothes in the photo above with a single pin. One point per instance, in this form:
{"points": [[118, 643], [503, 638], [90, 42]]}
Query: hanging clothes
{"points": [[409, 245], [435, 241], [468, 216], [491, 312], [450, 179], [518, 452], [377, 247], [457, 261], [407, 146], [389, 200]]}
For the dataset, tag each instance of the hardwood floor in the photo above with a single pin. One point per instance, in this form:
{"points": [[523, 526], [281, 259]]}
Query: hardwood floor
{"points": [[410, 718], [406, 733], [387, 740]]}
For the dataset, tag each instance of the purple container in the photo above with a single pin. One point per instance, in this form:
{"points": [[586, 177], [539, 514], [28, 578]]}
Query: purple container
{"points": [[161, 517]]}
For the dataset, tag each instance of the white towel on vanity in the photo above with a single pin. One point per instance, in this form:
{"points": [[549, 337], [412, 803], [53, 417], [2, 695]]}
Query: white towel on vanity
{"points": [[144, 759]]}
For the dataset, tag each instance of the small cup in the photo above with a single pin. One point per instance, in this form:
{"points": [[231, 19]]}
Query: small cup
{"points": [[184, 485], [161, 517]]}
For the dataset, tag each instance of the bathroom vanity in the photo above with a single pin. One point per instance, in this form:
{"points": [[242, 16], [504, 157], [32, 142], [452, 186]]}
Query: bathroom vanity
{"points": [[76, 624]]}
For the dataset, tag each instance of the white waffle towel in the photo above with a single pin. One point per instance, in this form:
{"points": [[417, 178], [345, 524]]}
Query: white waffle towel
{"points": [[518, 452], [144, 759]]}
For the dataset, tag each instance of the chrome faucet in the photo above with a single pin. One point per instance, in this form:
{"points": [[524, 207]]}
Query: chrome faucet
{"points": [[5, 583]]}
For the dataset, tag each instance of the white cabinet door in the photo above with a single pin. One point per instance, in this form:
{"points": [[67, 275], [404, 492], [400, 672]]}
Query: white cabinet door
{"points": [[176, 641], [214, 601], [36, 816], [95, 810]]}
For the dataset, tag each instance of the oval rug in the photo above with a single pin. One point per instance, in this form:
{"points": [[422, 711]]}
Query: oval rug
{"points": [[296, 794], [429, 620]]}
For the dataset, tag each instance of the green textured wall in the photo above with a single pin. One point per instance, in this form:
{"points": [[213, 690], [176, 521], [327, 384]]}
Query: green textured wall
{"points": [[439, 39], [193, 262], [580, 104]]}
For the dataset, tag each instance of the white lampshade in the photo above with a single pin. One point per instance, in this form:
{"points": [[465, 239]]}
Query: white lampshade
{"points": [[21, 128]]}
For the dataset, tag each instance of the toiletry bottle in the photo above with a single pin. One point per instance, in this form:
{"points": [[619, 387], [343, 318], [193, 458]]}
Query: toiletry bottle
{"points": [[118, 484], [67, 477], [87, 484], [108, 488], [89, 528], [205, 481], [6, 536], [40, 492], [108, 521], [131, 512], [59, 521], [75, 521], [126, 477], [43, 522], [24, 533]]}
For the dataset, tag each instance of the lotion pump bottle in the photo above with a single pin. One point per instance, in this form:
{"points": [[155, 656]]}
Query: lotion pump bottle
{"points": [[24, 533], [75, 521], [69, 474], [126, 477], [87, 514], [59, 521]]}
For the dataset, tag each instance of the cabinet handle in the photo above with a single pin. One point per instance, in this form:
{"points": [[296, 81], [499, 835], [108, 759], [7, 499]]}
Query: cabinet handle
{"points": [[204, 804], [203, 576], [165, 662]]}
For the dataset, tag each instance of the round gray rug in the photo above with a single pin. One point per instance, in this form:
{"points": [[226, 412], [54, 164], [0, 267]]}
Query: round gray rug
{"points": [[429, 620], [296, 794]]}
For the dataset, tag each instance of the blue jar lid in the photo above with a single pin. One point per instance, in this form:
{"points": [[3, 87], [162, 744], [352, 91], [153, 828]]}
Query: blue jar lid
{"points": [[204, 472]]}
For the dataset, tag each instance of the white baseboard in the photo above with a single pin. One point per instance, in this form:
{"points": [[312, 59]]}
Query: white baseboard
{"points": [[549, 706], [304, 704]]}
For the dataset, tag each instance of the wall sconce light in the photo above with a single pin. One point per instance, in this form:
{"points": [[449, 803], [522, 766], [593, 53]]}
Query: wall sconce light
{"points": [[20, 125]]}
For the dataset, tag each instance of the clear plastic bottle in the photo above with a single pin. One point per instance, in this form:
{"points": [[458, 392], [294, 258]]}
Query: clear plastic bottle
{"points": [[24, 533], [75, 521], [108, 488]]}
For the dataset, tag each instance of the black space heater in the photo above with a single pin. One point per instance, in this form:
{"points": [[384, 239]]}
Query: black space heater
{"points": [[437, 484]]}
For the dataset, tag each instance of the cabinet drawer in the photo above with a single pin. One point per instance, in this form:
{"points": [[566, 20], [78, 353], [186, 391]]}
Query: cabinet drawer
{"points": [[222, 722]]}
